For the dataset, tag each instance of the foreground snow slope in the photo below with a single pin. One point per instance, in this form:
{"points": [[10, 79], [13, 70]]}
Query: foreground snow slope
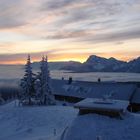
{"points": [[34, 123], [93, 126]]}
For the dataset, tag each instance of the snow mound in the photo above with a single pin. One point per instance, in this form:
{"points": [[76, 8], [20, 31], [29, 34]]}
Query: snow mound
{"points": [[93, 127], [34, 123]]}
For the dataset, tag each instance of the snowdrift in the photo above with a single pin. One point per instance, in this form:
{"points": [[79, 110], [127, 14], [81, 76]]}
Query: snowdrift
{"points": [[93, 127]]}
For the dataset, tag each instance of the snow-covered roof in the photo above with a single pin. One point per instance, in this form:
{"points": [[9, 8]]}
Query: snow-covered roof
{"points": [[97, 127], [136, 97], [119, 91], [100, 104]]}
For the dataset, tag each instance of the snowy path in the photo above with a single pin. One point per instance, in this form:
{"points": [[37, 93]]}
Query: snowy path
{"points": [[34, 123]]}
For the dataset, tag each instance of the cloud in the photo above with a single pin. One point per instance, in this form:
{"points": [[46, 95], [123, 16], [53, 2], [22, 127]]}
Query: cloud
{"points": [[16, 13], [62, 19], [78, 17], [94, 36], [10, 14], [122, 35], [19, 58], [55, 5], [72, 21], [69, 34]]}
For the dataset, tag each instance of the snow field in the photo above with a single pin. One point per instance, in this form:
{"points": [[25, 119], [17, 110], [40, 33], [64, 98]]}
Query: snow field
{"points": [[34, 123]]}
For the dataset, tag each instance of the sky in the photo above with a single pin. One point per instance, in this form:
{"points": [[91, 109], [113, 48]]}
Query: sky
{"points": [[69, 29]]}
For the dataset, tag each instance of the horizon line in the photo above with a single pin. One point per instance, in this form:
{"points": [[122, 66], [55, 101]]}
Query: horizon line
{"points": [[70, 60]]}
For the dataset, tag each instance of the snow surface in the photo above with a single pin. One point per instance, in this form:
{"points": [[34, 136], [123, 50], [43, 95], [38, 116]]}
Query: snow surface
{"points": [[97, 127], [34, 123], [40, 123], [99, 104], [136, 97]]}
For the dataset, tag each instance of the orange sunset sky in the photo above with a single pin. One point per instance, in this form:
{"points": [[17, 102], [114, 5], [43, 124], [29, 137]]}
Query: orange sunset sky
{"points": [[68, 29]]}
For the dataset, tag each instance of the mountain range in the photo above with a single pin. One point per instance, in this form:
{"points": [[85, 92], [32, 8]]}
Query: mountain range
{"points": [[99, 64], [92, 64]]}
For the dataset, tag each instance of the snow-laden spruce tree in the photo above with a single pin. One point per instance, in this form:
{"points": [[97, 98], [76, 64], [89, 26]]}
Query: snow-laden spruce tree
{"points": [[37, 87], [1, 99], [43, 87], [39, 81], [27, 83]]}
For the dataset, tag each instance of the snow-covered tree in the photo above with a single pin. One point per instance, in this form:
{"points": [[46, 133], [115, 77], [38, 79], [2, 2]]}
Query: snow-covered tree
{"points": [[43, 88], [37, 87], [27, 82], [1, 100], [47, 85]]}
